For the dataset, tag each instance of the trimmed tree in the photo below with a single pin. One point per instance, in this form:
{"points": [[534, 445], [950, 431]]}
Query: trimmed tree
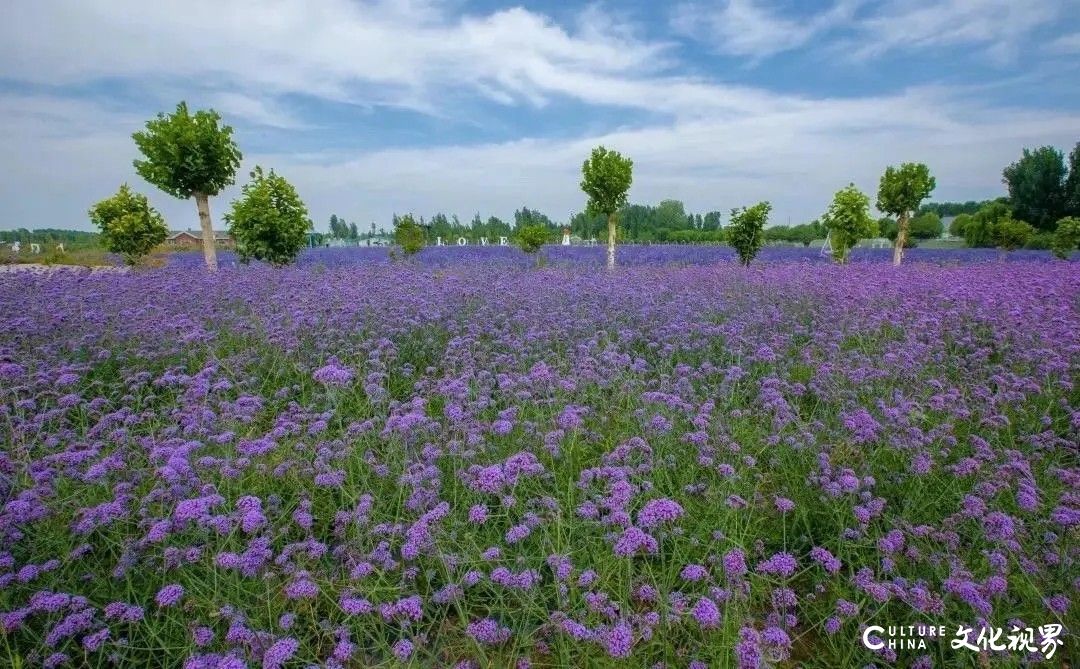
{"points": [[900, 192], [189, 155], [129, 225], [848, 220], [269, 221], [408, 235], [746, 230], [1066, 237], [606, 177], [531, 238]]}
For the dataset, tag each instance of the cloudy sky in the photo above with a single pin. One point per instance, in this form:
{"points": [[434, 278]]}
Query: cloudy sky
{"points": [[378, 106]]}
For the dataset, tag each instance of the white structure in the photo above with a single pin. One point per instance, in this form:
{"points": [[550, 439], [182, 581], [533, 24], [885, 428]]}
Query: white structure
{"points": [[36, 248], [16, 246], [60, 248]]}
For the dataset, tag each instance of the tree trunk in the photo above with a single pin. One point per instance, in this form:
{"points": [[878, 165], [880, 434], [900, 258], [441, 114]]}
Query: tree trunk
{"points": [[611, 241], [901, 238], [208, 248]]}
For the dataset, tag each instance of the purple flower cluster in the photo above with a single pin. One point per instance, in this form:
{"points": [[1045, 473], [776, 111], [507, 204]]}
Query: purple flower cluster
{"points": [[462, 460]]}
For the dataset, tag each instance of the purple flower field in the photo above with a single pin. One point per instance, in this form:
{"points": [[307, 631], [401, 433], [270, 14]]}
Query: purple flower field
{"points": [[464, 462]]}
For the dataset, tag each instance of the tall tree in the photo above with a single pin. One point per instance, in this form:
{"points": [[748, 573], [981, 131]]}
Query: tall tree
{"points": [[269, 221], [1072, 184], [129, 225], [1036, 185], [189, 155], [606, 177], [848, 220], [746, 230], [900, 192], [671, 215]]}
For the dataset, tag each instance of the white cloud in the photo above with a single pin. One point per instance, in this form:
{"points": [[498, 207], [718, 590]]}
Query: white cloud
{"points": [[748, 28], [713, 145], [867, 28], [1066, 44], [381, 53], [999, 27], [795, 156], [258, 111]]}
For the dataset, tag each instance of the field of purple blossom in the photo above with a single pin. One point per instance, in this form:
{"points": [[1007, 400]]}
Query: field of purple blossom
{"points": [[629, 256], [463, 462]]}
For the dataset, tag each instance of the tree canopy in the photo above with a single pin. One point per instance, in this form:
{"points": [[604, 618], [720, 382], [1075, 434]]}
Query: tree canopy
{"points": [[745, 230], [408, 234], [900, 192], [848, 220], [606, 177], [1036, 186], [269, 221], [129, 225], [186, 153]]}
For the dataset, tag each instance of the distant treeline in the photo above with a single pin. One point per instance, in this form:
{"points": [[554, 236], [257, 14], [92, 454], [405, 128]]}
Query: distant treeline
{"points": [[667, 221], [944, 209], [72, 238]]}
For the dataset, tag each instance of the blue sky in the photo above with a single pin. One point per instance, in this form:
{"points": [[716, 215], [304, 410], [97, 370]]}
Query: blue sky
{"points": [[375, 107]]}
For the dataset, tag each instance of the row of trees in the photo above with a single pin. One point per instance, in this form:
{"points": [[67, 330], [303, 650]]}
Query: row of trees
{"points": [[607, 175], [194, 156]]}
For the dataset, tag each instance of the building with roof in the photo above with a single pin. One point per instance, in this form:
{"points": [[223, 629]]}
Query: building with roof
{"points": [[191, 240]]}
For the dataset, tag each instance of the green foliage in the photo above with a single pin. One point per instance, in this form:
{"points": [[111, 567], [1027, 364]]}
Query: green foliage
{"points": [[526, 217], [1036, 185], [269, 222], [531, 238], [926, 226], [952, 208], [1010, 234], [979, 231], [69, 238], [1040, 241], [694, 236], [606, 178], [902, 189], [745, 230], [1072, 184], [129, 225], [408, 234], [186, 153], [956, 227], [1066, 237], [796, 234], [847, 221], [671, 215]]}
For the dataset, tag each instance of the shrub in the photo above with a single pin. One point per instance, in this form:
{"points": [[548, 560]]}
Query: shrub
{"points": [[1066, 237], [745, 232], [531, 238], [1010, 234], [408, 235], [848, 220], [269, 222], [129, 225]]}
